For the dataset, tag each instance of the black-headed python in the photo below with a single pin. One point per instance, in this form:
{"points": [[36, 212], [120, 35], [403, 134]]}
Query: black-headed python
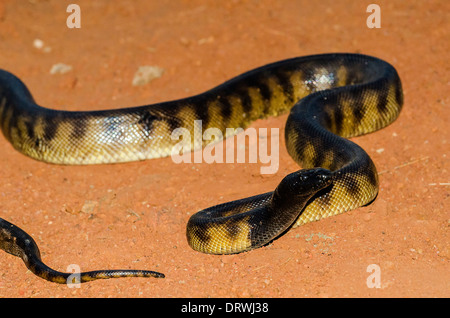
{"points": [[330, 97]]}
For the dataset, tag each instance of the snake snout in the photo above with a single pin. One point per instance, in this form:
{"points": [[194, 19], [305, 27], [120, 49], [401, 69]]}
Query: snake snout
{"points": [[307, 181], [315, 179]]}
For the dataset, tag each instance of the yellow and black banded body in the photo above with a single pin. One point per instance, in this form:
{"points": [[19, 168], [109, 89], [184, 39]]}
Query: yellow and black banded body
{"points": [[330, 97]]}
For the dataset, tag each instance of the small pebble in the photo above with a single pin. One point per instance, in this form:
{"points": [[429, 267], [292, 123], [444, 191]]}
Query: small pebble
{"points": [[60, 68], [145, 74], [38, 43]]}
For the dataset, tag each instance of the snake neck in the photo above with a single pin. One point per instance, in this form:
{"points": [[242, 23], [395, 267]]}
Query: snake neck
{"points": [[287, 202]]}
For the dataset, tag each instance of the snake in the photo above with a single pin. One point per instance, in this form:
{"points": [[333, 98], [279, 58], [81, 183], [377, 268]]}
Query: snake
{"points": [[329, 98]]}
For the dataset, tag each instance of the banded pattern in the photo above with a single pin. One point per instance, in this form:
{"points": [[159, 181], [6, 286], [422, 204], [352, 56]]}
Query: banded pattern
{"points": [[18, 243], [330, 97], [340, 96], [139, 133]]}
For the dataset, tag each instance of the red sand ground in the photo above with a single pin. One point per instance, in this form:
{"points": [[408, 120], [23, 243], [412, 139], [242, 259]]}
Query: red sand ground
{"points": [[134, 215]]}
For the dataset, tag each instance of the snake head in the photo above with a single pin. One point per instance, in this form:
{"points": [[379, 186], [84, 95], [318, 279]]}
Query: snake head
{"points": [[305, 183], [296, 189]]}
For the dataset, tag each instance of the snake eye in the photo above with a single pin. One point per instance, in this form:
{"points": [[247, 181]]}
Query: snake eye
{"points": [[324, 177]]}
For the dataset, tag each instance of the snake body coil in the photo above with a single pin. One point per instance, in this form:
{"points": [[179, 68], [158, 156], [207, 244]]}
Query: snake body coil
{"points": [[331, 97]]}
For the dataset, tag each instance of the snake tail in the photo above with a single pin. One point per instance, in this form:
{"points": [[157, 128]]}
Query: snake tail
{"points": [[17, 242]]}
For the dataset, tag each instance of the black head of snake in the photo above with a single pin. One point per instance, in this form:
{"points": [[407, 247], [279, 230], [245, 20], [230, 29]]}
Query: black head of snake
{"points": [[330, 97], [253, 222]]}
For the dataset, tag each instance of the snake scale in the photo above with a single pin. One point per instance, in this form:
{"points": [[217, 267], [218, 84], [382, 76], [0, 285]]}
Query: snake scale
{"points": [[330, 97]]}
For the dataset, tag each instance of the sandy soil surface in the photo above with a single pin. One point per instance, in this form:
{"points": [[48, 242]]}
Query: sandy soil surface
{"points": [[134, 215]]}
